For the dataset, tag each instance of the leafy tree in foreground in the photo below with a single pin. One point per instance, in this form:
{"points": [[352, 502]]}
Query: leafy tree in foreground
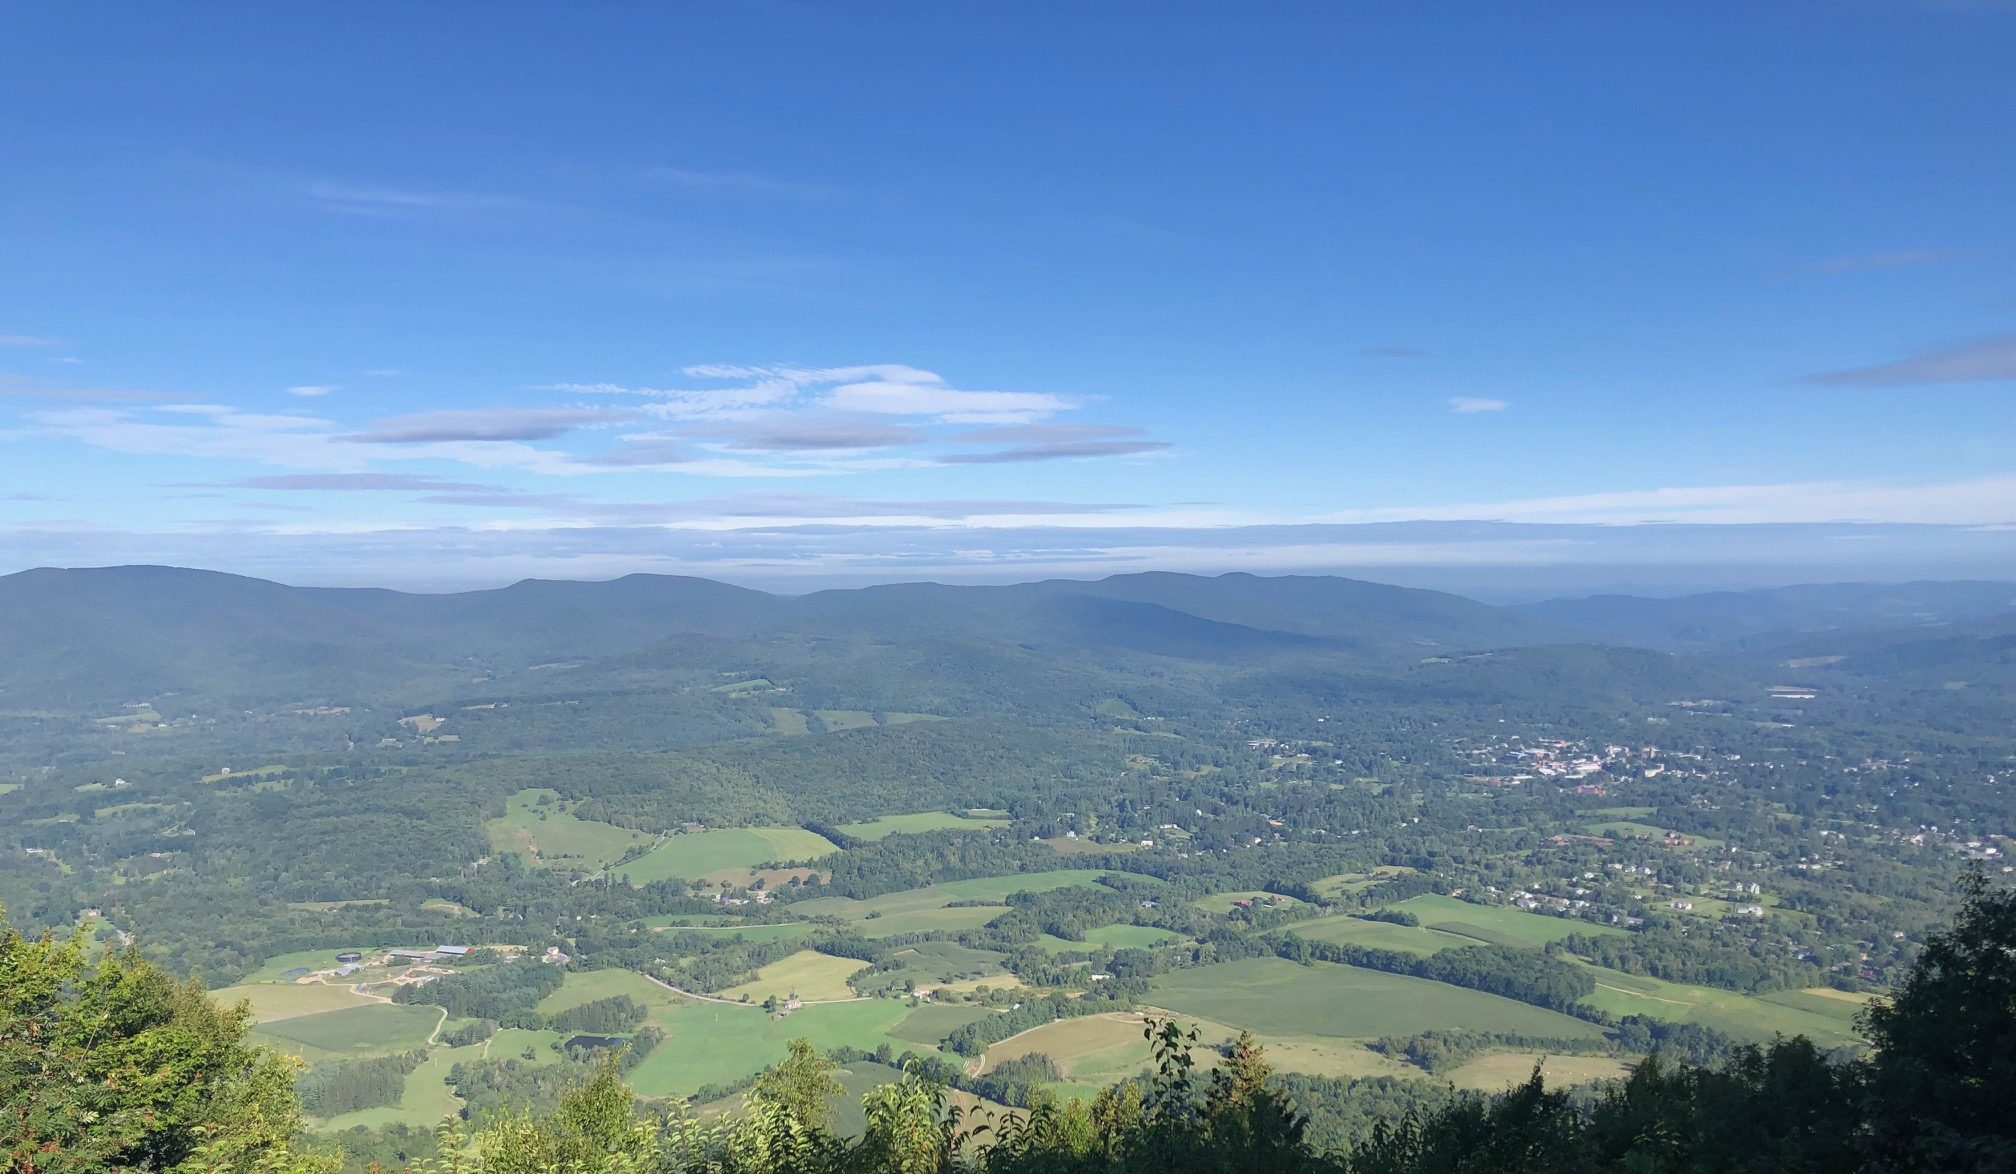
{"points": [[112, 1064]]}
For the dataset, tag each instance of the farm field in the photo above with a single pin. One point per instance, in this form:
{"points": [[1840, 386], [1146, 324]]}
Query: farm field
{"points": [[426, 1101], [373, 1029], [723, 851], [1625, 829], [932, 1022], [845, 719], [757, 931], [1357, 882], [934, 964], [537, 826], [1274, 996], [921, 821], [923, 910], [1096, 1050], [789, 721], [275, 968], [1746, 1017], [808, 974], [1498, 1071], [272, 1002], [586, 986], [710, 1043], [1498, 925], [1378, 935], [1842, 1005]]}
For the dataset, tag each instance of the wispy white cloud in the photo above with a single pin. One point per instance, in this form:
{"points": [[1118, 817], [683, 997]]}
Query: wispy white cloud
{"points": [[310, 390], [1973, 502], [28, 340], [1470, 405], [484, 424], [1984, 360], [367, 200]]}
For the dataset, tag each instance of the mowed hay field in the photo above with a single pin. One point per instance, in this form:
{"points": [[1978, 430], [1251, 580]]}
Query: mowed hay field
{"points": [[1274, 996], [921, 821], [932, 1022], [375, 1029], [924, 910], [1753, 1019], [1501, 1070], [1097, 1050], [726, 852], [537, 826], [1378, 935], [275, 1001], [808, 974], [426, 1102], [1497, 925], [716, 1043]]}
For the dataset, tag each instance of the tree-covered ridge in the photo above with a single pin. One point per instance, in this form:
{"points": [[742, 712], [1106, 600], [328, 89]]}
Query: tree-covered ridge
{"points": [[113, 1065]]}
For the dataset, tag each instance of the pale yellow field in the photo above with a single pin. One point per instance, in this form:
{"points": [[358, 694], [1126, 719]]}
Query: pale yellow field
{"points": [[274, 1001], [807, 974]]}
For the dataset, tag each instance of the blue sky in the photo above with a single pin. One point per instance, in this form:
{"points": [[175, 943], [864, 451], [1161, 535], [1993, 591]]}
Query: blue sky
{"points": [[792, 294]]}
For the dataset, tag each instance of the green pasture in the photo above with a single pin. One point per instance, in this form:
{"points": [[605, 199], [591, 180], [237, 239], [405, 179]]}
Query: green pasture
{"points": [[550, 834], [807, 974], [1275, 996], [701, 855], [921, 821], [1745, 1017], [1378, 935], [374, 1029], [930, 1023], [1498, 925]]}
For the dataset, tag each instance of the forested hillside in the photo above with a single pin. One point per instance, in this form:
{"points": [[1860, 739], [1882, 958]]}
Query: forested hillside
{"points": [[456, 851]]}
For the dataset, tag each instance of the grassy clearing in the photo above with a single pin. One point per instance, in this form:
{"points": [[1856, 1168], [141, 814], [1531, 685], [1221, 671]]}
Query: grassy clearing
{"points": [[1626, 829], [1498, 1071], [376, 1029], [808, 974], [836, 720], [709, 1043], [932, 1022], [426, 1102], [1841, 1005], [934, 964], [327, 906], [537, 826], [1746, 1017], [272, 1002], [1356, 882], [789, 721], [904, 719], [733, 851], [270, 771], [586, 986], [753, 685], [1621, 812], [1070, 846], [922, 821], [1499, 925], [1274, 996], [924, 910], [1378, 935]]}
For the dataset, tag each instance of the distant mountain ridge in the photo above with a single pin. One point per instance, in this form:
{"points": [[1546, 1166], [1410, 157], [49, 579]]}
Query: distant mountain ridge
{"points": [[87, 640]]}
